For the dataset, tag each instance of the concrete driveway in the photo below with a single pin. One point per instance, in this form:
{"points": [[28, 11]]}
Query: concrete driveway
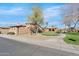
{"points": [[10, 47]]}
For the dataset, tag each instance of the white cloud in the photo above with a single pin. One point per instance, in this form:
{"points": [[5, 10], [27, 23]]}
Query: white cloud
{"points": [[10, 23], [13, 11], [52, 12], [6, 23]]}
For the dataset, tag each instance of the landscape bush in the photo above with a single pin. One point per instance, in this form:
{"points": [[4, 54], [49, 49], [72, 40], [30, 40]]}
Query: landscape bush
{"points": [[11, 33]]}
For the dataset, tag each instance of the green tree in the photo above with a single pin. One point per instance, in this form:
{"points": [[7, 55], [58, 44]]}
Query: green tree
{"points": [[36, 18]]}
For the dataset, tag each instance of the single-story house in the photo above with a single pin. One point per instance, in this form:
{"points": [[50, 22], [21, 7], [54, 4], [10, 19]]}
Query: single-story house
{"points": [[54, 29], [29, 28]]}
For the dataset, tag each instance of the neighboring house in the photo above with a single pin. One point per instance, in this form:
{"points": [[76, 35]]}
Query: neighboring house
{"points": [[54, 29], [71, 30], [77, 30]]}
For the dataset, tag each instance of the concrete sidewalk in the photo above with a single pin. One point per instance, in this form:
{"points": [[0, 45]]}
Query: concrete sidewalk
{"points": [[53, 42]]}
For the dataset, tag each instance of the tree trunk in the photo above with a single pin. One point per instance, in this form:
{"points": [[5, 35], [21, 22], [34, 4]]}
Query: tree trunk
{"points": [[75, 24], [36, 30]]}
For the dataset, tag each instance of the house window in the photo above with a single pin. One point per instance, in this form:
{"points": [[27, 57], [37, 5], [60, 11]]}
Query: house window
{"points": [[49, 29], [53, 30]]}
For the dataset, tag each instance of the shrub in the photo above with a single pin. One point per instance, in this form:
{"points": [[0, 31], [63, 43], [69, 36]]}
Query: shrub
{"points": [[11, 33]]}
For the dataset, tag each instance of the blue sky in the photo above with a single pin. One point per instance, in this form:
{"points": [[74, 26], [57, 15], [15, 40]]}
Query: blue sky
{"points": [[17, 13]]}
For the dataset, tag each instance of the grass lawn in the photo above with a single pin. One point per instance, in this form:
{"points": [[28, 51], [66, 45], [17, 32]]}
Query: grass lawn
{"points": [[49, 33], [72, 38], [73, 33]]}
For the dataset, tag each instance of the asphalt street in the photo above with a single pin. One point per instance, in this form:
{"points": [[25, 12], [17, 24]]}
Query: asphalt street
{"points": [[10, 47]]}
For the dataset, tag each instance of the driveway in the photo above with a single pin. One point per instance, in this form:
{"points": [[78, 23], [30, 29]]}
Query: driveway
{"points": [[10, 47]]}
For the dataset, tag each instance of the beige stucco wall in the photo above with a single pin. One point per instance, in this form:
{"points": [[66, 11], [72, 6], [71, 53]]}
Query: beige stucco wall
{"points": [[19, 31], [22, 30], [27, 28], [46, 30], [13, 29], [4, 30]]}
